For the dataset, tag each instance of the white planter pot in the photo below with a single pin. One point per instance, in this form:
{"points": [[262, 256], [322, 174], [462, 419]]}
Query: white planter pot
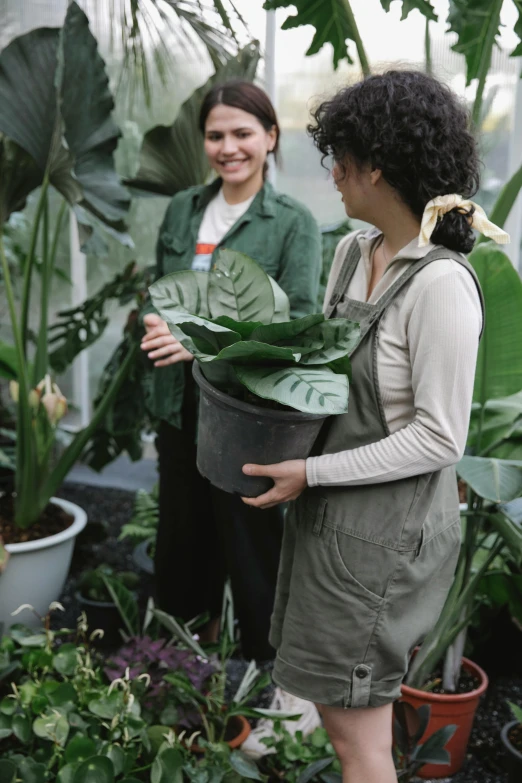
{"points": [[36, 570]]}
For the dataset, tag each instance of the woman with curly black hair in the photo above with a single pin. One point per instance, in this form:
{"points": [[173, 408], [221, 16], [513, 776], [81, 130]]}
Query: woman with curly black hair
{"points": [[372, 539]]}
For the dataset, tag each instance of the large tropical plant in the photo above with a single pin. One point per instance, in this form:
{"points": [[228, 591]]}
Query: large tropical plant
{"points": [[56, 130], [491, 468], [234, 321]]}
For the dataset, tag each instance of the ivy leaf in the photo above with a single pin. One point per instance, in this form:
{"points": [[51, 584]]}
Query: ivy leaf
{"points": [[332, 21], [424, 6]]}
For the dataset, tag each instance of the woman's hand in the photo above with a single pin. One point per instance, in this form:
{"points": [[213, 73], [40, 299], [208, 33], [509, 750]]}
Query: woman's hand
{"points": [[289, 478], [163, 346]]}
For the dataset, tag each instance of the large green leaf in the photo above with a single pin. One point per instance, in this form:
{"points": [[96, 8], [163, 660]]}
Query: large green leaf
{"points": [[424, 6], [339, 338], [7, 771], [172, 157], [8, 362], [184, 291], [476, 23], [252, 352], [239, 288], [281, 332], [281, 303], [333, 21], [307, 390], [168, 767], [208, 337], [61, 116], [28, 99], [97, 769], [86, 106], [492, 479], [504, 203], [499, 365]]}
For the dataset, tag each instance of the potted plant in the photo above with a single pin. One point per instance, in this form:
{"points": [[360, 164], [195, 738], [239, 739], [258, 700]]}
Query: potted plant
{"points": [[512, 740], [266, 383], [56, 131], [439, 675], [217, 719], [96, 601]]}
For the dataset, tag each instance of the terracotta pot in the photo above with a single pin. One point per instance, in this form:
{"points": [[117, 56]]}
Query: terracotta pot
{"points": [[514, 756], [448, 708], [241, 728]]}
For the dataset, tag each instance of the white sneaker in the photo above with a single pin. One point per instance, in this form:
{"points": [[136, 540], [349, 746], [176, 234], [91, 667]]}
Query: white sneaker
{"points": [[283, 702]]}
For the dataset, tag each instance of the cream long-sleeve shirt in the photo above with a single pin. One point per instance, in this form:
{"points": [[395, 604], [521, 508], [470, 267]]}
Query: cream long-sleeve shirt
{"points": [[426, 357]]}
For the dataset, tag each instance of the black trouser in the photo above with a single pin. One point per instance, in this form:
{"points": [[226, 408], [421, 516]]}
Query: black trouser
{"points": [[205, 535]]}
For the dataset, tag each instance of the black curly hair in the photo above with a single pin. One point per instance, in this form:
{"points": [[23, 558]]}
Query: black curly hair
{"points": [[415, 130]]}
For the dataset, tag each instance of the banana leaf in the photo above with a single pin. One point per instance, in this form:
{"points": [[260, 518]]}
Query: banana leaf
{"points": [[499, 365]]}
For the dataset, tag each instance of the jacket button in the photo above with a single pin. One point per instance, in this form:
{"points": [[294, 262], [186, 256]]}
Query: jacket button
{"points": [[361, 672]]}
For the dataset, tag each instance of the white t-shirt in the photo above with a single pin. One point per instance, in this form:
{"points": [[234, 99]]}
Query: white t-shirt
{"points": [[217, 221]]}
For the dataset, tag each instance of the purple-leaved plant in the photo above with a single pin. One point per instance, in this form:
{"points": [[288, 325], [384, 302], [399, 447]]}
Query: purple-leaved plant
{"points": [[156, 657]]}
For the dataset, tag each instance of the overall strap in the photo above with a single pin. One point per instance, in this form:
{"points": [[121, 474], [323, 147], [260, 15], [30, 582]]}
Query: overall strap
{"points": [[351, 259], [415, 266]]}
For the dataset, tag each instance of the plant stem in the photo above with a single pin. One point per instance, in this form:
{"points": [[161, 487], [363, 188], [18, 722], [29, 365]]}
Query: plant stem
{"points": [[40, 362], [74, 450], [485, 61], [28, 268], [363, 59], [427, 48], [23, 420], [41, 365]]}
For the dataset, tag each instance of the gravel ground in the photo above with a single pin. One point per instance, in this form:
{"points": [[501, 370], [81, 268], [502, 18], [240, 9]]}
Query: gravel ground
{"points": [[108, 509]]}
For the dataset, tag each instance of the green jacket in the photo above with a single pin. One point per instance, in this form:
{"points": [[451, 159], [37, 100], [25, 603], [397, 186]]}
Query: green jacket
{"points": [[276, 231]]}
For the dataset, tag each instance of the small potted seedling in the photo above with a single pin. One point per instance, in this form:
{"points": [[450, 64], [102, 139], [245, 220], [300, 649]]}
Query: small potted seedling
{"points": [[96, 600]]}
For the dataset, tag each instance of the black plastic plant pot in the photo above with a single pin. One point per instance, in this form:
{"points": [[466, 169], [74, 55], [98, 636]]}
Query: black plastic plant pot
{"points": [[232, 433], [105, 616], [513, 755]]}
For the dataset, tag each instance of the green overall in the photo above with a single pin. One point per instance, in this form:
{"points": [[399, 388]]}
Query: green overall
{"points": [[364, 570]]}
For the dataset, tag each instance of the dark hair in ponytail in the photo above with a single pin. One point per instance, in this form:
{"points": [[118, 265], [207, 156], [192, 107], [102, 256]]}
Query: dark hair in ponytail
{"points": [[415, 130], [248, 97]]}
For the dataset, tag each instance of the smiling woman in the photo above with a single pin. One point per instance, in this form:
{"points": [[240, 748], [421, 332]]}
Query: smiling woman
{"points": [[208, 533]]}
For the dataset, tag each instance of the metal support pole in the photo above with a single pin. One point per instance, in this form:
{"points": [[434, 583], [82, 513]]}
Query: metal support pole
{"points": [[514, 222], [270, 75], [80, 368]]}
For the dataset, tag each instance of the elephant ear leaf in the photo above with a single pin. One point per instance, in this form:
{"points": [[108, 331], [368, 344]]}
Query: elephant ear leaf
{"points": [[239, 288], [55, 104], [181, 292]]}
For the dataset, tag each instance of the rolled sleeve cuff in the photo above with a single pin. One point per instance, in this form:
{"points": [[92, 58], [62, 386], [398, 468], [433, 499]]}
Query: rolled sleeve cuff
{"points": [[311, 471]]}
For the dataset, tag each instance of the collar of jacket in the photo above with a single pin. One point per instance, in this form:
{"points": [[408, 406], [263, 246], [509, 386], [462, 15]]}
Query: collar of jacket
{"points": [[264, 203]]}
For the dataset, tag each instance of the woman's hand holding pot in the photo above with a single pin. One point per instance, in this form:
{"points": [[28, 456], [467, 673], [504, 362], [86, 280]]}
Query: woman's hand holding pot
{"points": [[289, 479], [160, 344]]}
